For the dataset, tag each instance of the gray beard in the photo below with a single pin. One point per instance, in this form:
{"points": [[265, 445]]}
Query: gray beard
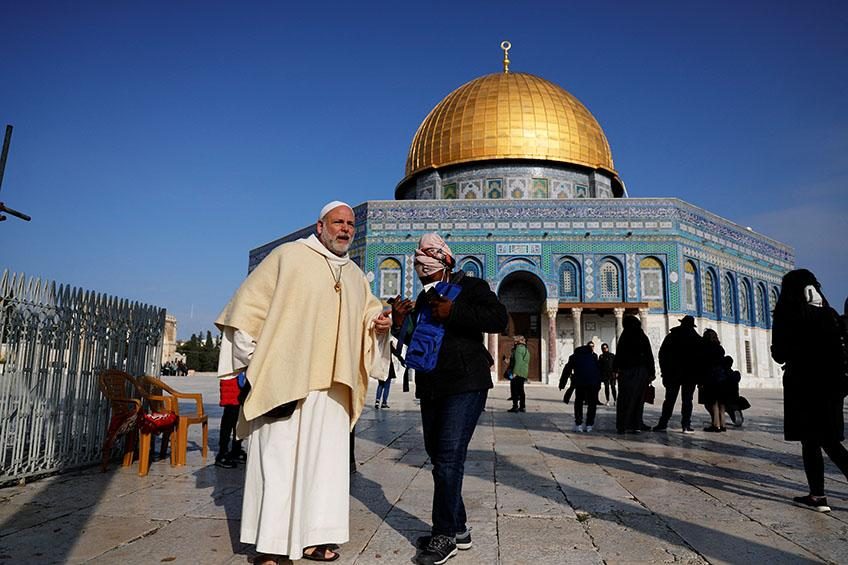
{"points": [[335, 247]]}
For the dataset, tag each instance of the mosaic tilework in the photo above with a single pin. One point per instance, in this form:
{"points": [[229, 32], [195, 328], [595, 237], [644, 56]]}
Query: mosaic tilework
{"points": [[494, 189], [449, 190], [471, 190], [517, 188], [632, 291], [562, 189], [630, 228], [539, 188], [588, 278]]}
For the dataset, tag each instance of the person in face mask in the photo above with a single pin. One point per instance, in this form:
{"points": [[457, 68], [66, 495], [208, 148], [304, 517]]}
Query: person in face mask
{"points": [[808, 338], [453, 391]]}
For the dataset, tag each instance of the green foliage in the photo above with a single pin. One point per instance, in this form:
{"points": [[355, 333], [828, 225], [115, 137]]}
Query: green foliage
{"points": [[201, 355]]}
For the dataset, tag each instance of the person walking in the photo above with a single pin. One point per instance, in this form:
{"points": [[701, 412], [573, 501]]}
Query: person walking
{"points": [[229, 454], [452, 380], [809, 340], [679, 357], [634, 364], [520, 365], [383, 387], [606, 362], [713, 381], [310, 332], [570, 390], [585, 372]]}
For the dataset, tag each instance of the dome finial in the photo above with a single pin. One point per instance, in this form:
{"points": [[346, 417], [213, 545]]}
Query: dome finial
{"points": [[506, 46]]}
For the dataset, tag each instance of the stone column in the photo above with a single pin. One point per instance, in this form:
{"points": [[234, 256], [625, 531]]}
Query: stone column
{"points": [[576, 316], [619, 323], [551, 309], [493, 351], [643, 317]]}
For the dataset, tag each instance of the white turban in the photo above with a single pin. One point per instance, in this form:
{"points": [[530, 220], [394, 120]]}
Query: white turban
{"points": [[332, 206]]}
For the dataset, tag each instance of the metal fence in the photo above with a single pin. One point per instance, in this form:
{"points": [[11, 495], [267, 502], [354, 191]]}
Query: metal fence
{"points": [[54, 340]]}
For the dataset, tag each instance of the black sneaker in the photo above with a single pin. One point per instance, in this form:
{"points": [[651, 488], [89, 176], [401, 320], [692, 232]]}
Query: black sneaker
{"points": [[239, 456], [659, 428], [438, 551], [225, 462], [817, 503], [463, 541], [688, 430]]}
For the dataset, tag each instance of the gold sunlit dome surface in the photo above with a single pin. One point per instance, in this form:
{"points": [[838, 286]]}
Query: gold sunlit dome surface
{"points": [[509, 116]]}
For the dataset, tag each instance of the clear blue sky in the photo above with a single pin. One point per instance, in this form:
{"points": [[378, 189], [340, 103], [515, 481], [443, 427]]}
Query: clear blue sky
{"points": [[156, 143]]}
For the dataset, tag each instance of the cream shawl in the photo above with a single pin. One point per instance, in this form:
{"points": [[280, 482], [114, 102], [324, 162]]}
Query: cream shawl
{"points": [[308, 336]]}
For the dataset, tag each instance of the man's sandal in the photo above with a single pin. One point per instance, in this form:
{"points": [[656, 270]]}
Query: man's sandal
{"points": [[321, 553]]}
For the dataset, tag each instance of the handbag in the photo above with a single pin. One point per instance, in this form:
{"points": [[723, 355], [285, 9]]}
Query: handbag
{"points": [[650, 394], [422, 352]]}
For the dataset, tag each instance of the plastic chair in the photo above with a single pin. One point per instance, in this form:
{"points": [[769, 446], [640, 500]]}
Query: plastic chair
{"points": [[184, 420], [127, 400], [116, 386]]}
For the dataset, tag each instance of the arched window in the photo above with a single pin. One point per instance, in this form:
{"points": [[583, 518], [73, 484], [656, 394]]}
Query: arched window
{"points": [[728, 304], [709, 292], [569, 282], [472, 268], [760, 305], [390, 278], [772, 301], [653, 286], [744, 302], [610, 280], [690, 296]]}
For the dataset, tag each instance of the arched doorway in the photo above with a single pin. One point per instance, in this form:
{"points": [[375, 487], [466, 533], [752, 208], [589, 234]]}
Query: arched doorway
{"points": [[524, 295]]}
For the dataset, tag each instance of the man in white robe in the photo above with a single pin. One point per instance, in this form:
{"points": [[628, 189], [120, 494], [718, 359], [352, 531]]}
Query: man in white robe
{"points": [[310, 332]]}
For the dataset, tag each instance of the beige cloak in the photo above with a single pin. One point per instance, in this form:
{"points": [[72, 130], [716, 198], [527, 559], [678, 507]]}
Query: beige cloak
{"points": [[308, 335]]}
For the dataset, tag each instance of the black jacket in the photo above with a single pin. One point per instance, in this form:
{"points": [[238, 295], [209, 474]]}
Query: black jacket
{"points": [[681, 355], [634, 352], [607, 361], [584, 365], [808, 344], [464, 363]]}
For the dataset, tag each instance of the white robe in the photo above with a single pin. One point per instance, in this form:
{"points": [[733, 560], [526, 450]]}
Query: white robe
{"points": [[288, 507]]}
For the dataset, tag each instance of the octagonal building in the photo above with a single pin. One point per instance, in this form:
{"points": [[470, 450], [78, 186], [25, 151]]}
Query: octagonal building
{"points": [[517, 175]]}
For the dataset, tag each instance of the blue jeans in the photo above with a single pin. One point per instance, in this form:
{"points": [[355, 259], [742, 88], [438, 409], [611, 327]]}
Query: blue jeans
{"points": [[448, 424], [383, 390]]}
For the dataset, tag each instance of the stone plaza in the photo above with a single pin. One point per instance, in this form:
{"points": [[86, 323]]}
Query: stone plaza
{"points": [[535, 491]]}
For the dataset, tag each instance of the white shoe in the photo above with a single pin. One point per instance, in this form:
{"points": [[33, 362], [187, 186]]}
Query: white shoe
{"points": [[576, 428], [588, 429], [583, 428]]}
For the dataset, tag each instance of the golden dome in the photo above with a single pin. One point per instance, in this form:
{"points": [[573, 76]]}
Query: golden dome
{"points": [[509, 116]]}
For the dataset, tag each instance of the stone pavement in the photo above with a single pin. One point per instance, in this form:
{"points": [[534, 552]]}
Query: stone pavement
{"points": [[535, 493]]}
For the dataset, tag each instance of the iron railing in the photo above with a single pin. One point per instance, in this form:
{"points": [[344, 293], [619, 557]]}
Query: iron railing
{"points": [[54, 340]]}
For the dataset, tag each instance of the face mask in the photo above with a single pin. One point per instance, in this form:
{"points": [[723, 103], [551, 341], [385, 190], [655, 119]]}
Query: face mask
{"points": [[812, 296]]}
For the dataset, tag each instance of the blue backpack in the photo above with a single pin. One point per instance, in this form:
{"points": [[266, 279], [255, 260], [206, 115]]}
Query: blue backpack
{"points": [[422, 352]]}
